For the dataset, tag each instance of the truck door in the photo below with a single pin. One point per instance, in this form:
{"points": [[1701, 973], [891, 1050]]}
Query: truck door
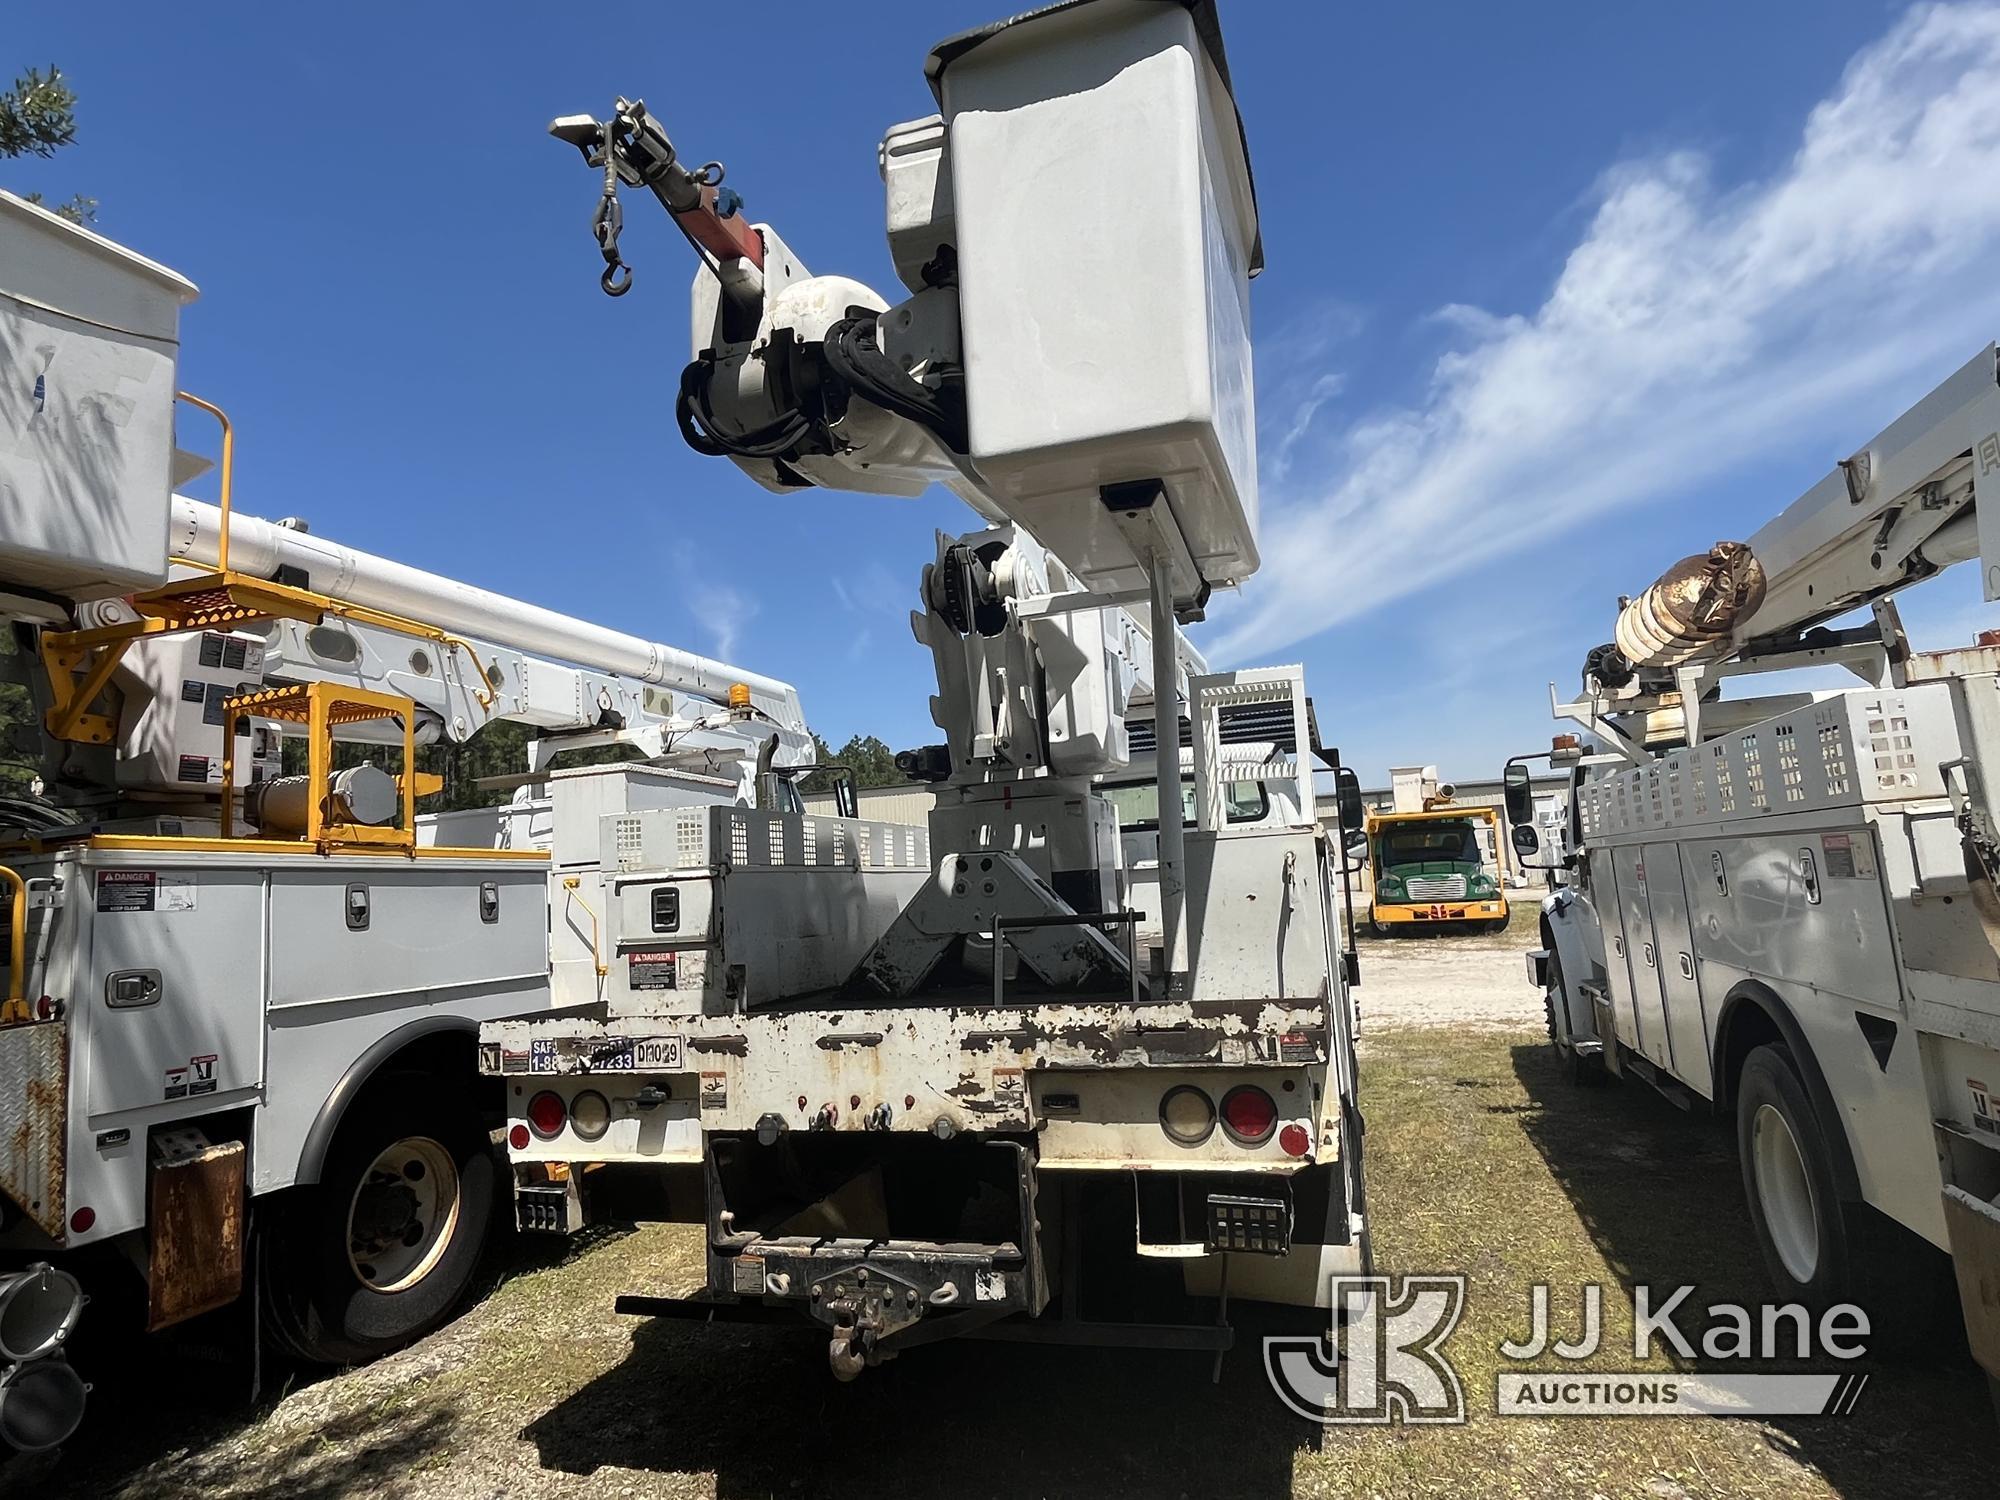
{"points": [[1686, 1026], [1641, 953]]}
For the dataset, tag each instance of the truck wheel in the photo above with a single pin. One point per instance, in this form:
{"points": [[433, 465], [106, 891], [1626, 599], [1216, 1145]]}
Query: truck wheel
{"points": [[385, 1246], [1587, 1072], [1788, 1178]]}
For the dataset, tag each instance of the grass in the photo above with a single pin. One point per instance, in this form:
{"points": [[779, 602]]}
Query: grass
{"points": [[1485, 1160], [1482, 1160]]}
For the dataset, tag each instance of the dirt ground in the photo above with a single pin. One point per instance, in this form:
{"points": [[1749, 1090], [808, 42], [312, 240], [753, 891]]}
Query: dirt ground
{"points": [[1483, 1159]]}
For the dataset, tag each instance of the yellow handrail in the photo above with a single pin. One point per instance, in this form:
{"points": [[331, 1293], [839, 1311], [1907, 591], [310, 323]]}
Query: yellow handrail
{"points": [[228, 472], [596, 955], [16, 1006]]}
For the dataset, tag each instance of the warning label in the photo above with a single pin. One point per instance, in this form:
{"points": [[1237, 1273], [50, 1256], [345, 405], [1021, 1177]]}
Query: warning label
{"points": [[652, 970], [193, 768], [144, 890], [231, 653], [1982, 1108], [126, 890]]}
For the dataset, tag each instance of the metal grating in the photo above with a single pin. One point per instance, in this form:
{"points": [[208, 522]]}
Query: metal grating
{"points": [[1891, 746], [1833, 757], [1791, 772]]}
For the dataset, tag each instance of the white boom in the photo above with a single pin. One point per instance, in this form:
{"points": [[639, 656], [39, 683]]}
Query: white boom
{"points": [[264, 547], [1900, 509]]}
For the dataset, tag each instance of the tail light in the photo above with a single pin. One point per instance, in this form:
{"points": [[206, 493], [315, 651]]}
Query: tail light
{"points": [[1187, 1115], [547, 1114], [1294, 1141], [517, 1138], [590, 1115], [1249, 1115]]}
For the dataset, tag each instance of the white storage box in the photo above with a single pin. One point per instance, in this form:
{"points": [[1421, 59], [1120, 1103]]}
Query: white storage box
{"points": [[1106, 234], [89, 341]]}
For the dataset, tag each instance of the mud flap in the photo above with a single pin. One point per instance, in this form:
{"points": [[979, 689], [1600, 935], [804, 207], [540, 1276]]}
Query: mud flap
{"points": [[1974, 1229], [195, 1211]]}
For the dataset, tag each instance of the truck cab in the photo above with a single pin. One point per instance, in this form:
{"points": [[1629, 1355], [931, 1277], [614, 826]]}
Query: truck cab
{"points": [[1435, 868]]}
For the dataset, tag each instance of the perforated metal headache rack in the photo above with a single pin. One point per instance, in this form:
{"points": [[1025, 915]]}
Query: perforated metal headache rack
{"points": [[1869, 746]]}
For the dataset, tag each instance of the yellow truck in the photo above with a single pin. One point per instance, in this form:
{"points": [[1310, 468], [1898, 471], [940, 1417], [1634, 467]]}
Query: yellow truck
{"points": [[1429, 861]]}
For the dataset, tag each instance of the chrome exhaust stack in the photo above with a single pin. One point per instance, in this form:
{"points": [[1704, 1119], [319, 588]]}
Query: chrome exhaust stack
{"points": [[41, 1404], [38, 1309], [41, 1397]]}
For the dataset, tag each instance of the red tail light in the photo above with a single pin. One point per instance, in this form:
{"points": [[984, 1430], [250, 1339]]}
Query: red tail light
{"points": [[1249, 1115], [546, 1114], [1294, 1141], [518, 1138]]}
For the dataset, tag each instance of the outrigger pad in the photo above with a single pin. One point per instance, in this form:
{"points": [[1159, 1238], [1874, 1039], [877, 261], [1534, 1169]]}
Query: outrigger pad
{"points": [[963, 900]]}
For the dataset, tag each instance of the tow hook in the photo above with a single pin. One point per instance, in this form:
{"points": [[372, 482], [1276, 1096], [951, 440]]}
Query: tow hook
{"points": [[849, 1351], [865, 1305]]}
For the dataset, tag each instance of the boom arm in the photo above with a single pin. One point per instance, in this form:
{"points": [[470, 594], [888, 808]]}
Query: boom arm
{"points": [[1108, 433], [1923, 495], [515, 661]]}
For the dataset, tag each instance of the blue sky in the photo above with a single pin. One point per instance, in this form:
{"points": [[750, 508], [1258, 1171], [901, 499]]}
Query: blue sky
{"points": [[1556, 294]]}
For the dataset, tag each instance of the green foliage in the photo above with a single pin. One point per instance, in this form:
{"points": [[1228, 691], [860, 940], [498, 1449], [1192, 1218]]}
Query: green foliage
{"points": [[37, 115], [37, 118], [78, 210], [873, 763], [17, 721]]}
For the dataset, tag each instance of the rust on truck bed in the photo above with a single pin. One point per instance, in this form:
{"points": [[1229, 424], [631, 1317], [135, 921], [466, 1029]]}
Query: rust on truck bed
{"points": [[974, 1056]]}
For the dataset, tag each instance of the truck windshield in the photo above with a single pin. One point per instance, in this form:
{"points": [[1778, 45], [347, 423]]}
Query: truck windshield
{"points": [[1138, 803], [1421, 842]]}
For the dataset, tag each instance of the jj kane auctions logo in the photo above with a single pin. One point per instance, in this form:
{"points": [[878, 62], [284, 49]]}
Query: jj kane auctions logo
{"points": [[1386, 1361]]}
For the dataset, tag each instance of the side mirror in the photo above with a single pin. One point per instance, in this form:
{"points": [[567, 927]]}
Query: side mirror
{"points": [[1347, 797], [1525, 840], [1519, 794]]}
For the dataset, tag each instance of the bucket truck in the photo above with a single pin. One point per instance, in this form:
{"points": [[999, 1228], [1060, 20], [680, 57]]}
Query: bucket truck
{"points": [[239, 1005], [1782, 908], [1429, 860], [1012, 1116]]}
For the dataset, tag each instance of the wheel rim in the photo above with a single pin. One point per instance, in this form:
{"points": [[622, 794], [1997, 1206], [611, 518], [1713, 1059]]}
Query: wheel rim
{"points": [[402, 1214], [1785, 1193]]}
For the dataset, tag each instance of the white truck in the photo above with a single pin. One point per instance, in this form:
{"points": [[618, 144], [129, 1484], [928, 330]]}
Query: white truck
{"points": [[1782, 907], [1008, 1118], [239, 1006]]}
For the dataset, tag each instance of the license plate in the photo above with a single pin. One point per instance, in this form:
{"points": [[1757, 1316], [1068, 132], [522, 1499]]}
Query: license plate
{"points": [[657, 1054]]}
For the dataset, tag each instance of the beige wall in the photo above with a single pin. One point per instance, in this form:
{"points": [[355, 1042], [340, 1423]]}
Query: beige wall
{"points": [[883, 804]]}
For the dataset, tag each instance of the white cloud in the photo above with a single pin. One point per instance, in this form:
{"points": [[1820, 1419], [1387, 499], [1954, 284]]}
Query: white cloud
{"points": [[1691, 329], [722, 612]]}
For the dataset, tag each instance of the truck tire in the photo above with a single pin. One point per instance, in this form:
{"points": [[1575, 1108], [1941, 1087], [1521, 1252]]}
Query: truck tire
{"points": [[1795, 1207], [1585, 1072], [386, 1245]]}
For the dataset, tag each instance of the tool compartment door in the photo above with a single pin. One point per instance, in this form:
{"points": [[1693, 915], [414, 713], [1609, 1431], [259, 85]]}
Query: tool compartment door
{"points": [[1687, 1044], [1617, 973], [175, 986], [1642, 955]]}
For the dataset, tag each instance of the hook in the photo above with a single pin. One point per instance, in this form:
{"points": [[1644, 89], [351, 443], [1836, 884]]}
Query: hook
{"points": [[613, 287]]}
